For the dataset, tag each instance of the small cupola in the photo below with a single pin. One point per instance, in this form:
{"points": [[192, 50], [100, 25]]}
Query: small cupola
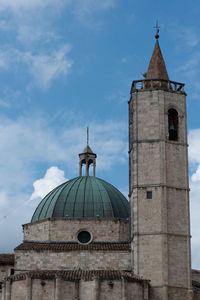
{"points": [[87, 158]]}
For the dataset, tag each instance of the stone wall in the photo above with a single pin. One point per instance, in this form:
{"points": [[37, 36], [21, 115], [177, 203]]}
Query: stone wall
{"points": [[19, 290], [88, 289], [43, 289], [108, 291], [69, 289], [196, 295], [91, 260], [4, 271], [58, 289], [62, 230], [160, 223]]}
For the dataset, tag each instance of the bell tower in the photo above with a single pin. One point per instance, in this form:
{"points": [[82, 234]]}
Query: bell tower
{"points": [[158, 181]]}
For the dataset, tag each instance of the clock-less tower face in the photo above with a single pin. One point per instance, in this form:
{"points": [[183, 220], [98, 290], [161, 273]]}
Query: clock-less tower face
{"points": [[159, 182]]}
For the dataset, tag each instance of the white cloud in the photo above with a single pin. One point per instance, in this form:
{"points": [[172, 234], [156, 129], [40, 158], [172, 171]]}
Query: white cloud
{"points": [[109, 140], [3, 198], [44, 68], [85, 8], [195, 220], [15, 212], [80, 8], [186, 37], [36, 16], [194, 145], [28, 35], [196, 176], [28, 142], [28, 4], [5, 59], [194, 159], [53, 177], [189, 36], [32, 23], [4, 103]]}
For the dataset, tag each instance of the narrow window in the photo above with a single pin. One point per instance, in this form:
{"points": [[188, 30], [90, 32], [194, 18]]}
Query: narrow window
{"points": [[12, 271], [149, 195], [173, 124]]}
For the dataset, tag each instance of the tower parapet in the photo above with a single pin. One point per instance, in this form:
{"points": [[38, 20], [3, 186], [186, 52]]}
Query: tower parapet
{"points": [[152, 84]]}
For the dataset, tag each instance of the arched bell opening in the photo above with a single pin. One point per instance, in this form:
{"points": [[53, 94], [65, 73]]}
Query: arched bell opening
{"points": [[172, 124], [86, 159]]}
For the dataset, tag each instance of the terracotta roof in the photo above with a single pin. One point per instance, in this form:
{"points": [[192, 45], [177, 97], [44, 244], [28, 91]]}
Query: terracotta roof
{"points": [[196, 285], [6, 259], [194, 271], [72, 275], [157, 68], [196, 279], [65, 247]]}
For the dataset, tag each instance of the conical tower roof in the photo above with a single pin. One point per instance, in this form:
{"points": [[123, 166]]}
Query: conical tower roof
{"points": [[87, 149], [157, 68]]}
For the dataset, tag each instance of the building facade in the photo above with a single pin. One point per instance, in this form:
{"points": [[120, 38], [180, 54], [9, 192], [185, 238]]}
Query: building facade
{"points": [[87, 242]]}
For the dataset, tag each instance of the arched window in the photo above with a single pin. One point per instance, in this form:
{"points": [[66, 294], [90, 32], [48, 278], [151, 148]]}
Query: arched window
{"points": [[173, 124]]}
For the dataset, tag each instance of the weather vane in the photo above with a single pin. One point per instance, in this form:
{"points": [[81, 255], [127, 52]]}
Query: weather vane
{"points": [[87, 135], [157, 30]]}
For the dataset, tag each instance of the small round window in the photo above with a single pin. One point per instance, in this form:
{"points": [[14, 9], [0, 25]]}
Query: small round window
{"points": [[84, 237]]}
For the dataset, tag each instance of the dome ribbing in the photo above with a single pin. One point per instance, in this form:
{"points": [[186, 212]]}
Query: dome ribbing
{"points": [[83, 197]]}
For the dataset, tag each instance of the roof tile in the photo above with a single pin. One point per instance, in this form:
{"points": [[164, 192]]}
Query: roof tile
{"points": [[65, 247], [73, 275], [6, 259]]}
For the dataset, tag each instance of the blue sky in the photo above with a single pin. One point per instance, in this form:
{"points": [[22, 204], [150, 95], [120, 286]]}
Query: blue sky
{"points": [[69, 64]]}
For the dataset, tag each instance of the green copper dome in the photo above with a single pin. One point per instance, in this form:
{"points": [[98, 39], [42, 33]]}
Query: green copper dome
{"points": [[83, 197]]}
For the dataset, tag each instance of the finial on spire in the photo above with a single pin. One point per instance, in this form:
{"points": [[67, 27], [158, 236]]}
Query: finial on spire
{"points": [[87, 135], [157, 68], [157, 30]]}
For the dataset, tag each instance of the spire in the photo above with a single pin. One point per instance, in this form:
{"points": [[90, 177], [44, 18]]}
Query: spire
{"points": [[157, 68], [87, 149], [87, 157]]}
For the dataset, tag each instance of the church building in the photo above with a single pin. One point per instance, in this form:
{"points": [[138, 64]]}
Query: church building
{"points": [[86, 241]]}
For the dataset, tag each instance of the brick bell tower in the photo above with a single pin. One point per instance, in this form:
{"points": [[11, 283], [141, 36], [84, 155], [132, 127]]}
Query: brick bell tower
{"points": [[159, 191]]}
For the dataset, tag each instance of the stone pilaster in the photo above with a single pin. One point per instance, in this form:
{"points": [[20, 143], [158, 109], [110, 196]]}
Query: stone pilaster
{"points": [[77, 283], [123, 289], [96, 289], [8, 290], [58, 288], [29, 288]]}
